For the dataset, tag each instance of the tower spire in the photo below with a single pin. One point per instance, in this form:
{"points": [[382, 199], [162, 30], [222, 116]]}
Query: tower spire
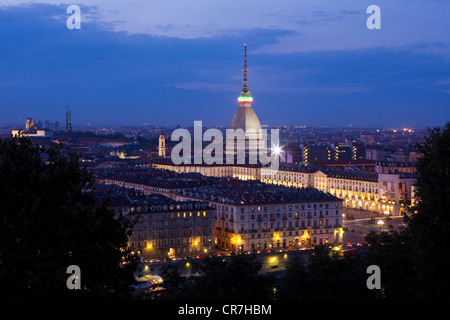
{"points": [[245, 96], [245, 84]]}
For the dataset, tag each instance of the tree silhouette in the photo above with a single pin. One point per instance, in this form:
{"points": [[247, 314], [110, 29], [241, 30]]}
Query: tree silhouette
{"points": [[415, 261], [47, 223], [429, 225]]}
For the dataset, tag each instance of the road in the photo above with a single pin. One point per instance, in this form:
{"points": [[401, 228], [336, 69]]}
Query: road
{"points": [[270, 262], [356, 229]]}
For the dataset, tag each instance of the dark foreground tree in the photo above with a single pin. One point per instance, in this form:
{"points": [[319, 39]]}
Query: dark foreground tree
{"points": [[393, 253], [47, 224], [233, 278], [415, 262], [325, 276], [429, 226]]}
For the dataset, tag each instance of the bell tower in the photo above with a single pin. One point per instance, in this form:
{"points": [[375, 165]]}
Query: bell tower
{"points": [[162, 145]]}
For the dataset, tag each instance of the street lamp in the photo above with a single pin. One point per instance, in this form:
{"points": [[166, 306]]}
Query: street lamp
{"points": [[380, 223]]}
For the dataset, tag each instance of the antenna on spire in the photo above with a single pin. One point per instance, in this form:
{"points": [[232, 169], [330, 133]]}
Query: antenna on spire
{"points": [[245, 84], [245, 96]]}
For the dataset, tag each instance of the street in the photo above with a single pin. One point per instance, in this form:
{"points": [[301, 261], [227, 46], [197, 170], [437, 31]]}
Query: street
{"points": [[357, 228]]}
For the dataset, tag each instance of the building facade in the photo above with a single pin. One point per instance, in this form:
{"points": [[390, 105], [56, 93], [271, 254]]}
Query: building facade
{"points": [[360, 190], [288, 219], [312, 154], [167, 229]]}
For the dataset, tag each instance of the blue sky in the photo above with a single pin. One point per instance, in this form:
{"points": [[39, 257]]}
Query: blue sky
{"points": [[176, 61]]}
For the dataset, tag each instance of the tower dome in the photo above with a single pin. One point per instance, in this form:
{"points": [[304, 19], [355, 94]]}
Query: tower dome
{"points": [[245, 117]]}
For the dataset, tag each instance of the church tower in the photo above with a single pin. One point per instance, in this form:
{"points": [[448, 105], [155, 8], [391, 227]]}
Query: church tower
{"points": [[162, 145]]}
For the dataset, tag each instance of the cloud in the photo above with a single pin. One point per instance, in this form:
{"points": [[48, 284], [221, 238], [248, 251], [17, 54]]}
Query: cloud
{"points": [[312, 25], [109, 74]]}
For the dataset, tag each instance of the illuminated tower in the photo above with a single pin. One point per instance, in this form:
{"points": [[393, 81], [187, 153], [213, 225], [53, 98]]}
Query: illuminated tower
{"points": [[29, 124], [162, 145], [245, 117]]}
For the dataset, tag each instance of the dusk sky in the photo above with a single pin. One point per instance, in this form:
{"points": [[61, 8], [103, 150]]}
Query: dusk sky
{"points": [[310, 62]]}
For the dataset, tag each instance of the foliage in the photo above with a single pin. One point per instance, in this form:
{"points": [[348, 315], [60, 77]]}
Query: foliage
{"points": [[233, 278], [416, 260], [47, 223], [429, 225], [325, 276]]}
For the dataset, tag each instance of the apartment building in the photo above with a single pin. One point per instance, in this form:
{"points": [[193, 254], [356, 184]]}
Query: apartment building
{"points": [[255, 216], [165, 228]]}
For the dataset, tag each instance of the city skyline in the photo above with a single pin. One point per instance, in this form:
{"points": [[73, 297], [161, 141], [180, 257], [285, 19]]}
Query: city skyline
{"points": [[233, 151], [121, 69]]}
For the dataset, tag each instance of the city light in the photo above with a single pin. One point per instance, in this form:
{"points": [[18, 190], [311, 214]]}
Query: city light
{"points": [[380, 223], [277, 150]]}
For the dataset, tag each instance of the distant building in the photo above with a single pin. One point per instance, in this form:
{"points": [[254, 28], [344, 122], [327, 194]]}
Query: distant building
{"points": [[343, 152], [394, 167], [293, 153], [312, 154], [33, 129], [365, 165], [358, 151], [374, 153], [38, 133], [29, 124]]}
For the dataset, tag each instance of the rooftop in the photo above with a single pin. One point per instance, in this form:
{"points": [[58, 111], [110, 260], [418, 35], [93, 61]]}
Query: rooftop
{"points": [[350, 173], [140, 203], [248, 192]]}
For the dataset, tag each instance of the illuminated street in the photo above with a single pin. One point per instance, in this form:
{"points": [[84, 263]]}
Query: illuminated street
{"points": [[355, 230]]}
